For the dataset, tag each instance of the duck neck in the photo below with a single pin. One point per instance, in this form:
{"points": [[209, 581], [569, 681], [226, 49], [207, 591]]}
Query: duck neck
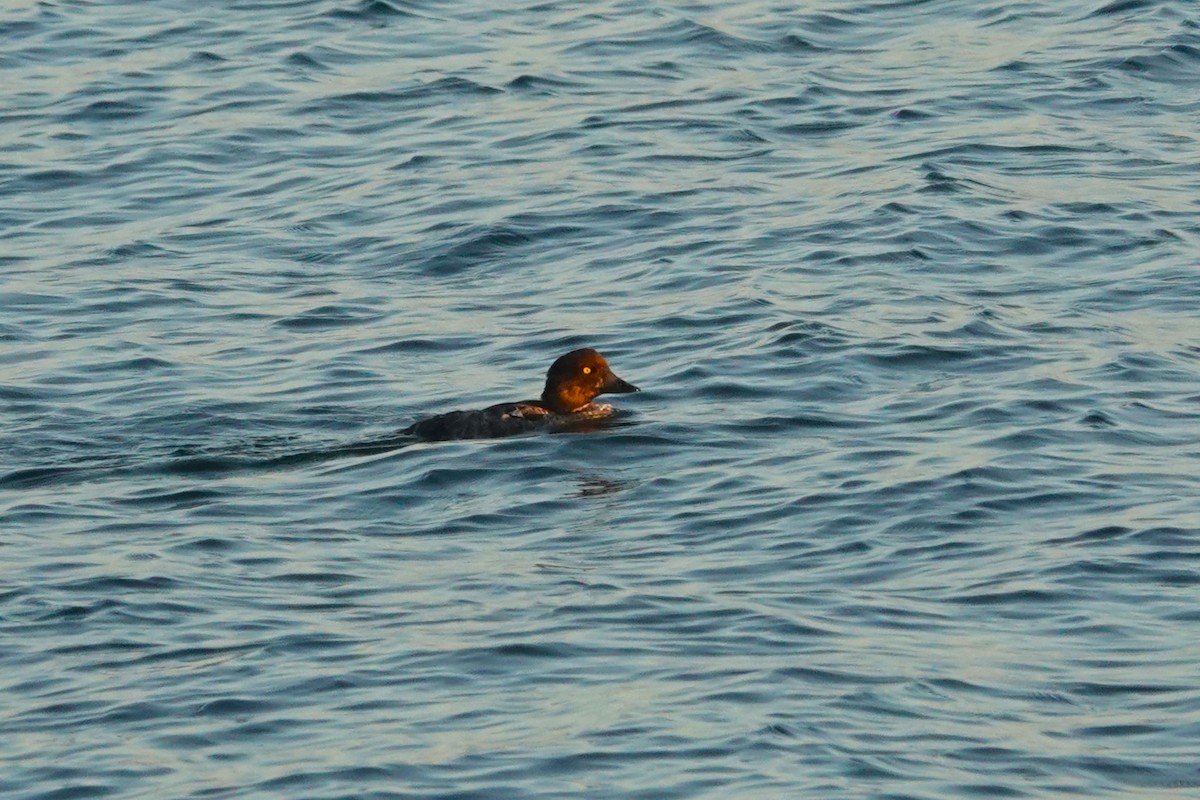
{"points": [[564, 400]]}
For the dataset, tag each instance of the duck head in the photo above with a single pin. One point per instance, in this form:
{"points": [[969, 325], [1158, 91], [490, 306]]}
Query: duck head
{"points": [[575, 379]]}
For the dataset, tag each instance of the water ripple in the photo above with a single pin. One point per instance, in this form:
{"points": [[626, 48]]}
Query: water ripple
{"points": [[908, 502]]}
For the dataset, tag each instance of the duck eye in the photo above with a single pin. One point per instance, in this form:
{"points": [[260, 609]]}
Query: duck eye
{"points": [[587, 370]]}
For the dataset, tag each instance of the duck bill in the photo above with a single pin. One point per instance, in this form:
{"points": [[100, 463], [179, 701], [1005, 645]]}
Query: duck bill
{"points": [[614, 385]]}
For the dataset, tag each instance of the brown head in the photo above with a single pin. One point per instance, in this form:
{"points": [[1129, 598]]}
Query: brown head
{"points": [[575, 379]]}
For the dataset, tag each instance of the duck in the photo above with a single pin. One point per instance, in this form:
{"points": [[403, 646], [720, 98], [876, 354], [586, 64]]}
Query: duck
{"points": [[573, 381]]}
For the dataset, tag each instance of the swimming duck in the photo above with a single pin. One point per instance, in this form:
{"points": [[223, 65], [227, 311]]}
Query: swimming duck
{"points": [[572, 382]]}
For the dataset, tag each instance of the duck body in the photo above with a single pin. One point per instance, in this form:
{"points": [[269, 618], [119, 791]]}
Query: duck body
{"points": [[572, 382], [503, 419]]}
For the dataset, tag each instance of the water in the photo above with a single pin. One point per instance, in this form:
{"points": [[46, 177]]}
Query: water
{"points": [[908, 506]]}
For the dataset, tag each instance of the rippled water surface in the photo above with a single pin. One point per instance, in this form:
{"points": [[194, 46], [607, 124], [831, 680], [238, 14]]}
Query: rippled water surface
{"points": [[908, 506]]}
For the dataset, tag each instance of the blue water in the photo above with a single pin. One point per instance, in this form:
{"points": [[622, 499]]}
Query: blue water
{"points": [[908, 506]]}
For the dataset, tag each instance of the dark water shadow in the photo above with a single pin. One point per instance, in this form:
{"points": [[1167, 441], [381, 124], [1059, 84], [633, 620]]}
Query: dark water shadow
{"points": [[261, 454], [264, 455]]}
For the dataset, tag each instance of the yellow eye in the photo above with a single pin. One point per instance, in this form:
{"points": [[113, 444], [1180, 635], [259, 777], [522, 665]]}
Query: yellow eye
{"points": [[587, 370]]}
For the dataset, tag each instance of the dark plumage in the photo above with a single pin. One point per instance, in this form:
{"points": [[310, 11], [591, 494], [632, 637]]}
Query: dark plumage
{"points": [[572, 382]]}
